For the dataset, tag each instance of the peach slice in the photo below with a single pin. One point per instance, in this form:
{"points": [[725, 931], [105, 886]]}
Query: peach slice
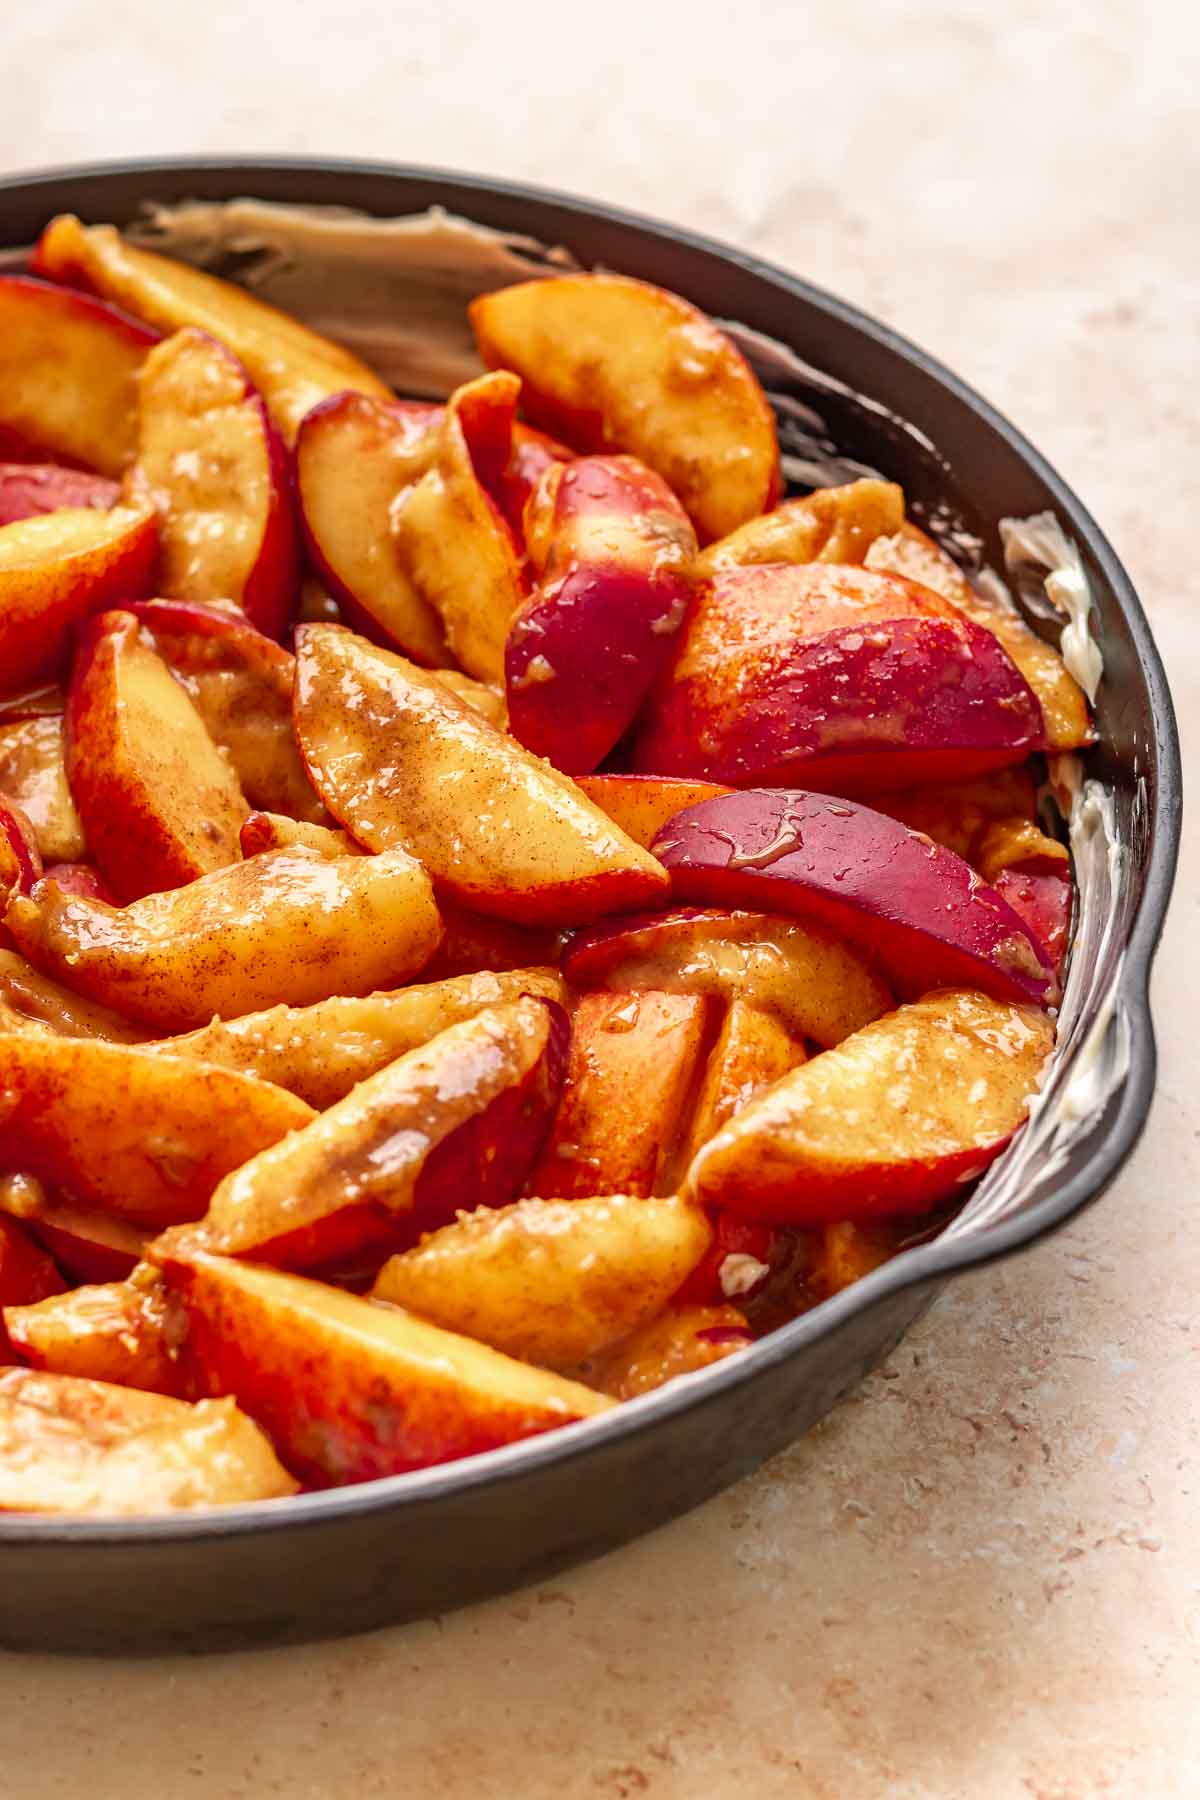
{"points": [[754, 1049], [57, 568], [843, 678], [20, 858], [68, 371], [739, 1263], [27, 1276], [33, 774], [88, 1246], [117, 1331], [832, 525], [350, 1389], [846, 1252], [531, 453], [477, 945], [451, 538], [550, 1281], [74, 1446], [27, 489], [608, 363], [142, 1136], [289, 926], [458, 1120], [320, 1052], [642, 804], [1032, 872], [894, 1120], [354, 455], [911, 553], [401, 761], [613, 556], [956, 814], [275, 831], [159, 803], [240, 682], [679, 1342], [918, 909], [211, 465], [802, 972], [292, 367], [29, 997], [634, 1060]]}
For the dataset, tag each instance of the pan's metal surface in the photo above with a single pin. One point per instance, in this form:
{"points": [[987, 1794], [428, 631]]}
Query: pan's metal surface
{"points": [[324, 1564]]}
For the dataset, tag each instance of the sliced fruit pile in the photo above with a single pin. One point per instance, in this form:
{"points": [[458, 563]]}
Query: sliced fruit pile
{"points": [[491, 921]]}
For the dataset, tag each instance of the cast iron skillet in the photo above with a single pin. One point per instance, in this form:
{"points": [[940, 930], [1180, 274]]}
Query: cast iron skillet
{"points": [[413, 1545]]}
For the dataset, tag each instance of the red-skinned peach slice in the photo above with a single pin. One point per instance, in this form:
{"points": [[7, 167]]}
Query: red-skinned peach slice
{"points": [[844, 678], [832, 525], [919, 910], [550, 1281], [400, 761], [457, 1121], [159, 803], [212, 466], [27, 997], [81, 878], [33, 774], [20, 858], [240, 682], [42, 700], [289, 926], [1032, 872], [57, 568], [608, 363], [73, 1446], [634, 1060], [27, 489], [350, 1389], [897, 1118], [27, 1276], [679, 1342], [801, 971], [451, 538], [89, 1246], [354, 455], [117, 1331], [68, 372], [958, 813], [911, 553], [292, 367], [738, 1263], [320, 1052], [754, 1049], [530, 455], [642, 804], [142, 1136], [613, 559]]}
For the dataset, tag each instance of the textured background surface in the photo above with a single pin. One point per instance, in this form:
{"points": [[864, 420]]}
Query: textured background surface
{"points": [[982, 1577]]}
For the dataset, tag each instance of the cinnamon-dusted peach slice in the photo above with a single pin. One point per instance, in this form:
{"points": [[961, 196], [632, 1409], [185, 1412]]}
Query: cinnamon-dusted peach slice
{"points": [[289, 925], [33, 774], [401, 761], [897, 1118], [27, 997], [27, 489], [642, 804], [57, 568], [292, 367], [608, 363], [754, 1049], [88, 1246], [116, 1331], [831, 525]]}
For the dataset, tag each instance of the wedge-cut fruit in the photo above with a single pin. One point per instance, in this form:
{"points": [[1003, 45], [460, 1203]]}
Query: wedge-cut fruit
{"points": [[212, 466], [68, 369], [350, 1389], [551, 1281], [754, 1049], [919, 910], [642, 804], [27, 1276], [739, 1263], [402, 762], [118, 1331], [240, 682], [20, 858], [477, 945], [141, 1136], [613, 555], [634, 1059], [846, 1252], [911, 553], [451, 538], [159, 803], [56, 569], [275, 831], [74, 1446], [802, 972], [27, 489], [897, 1118], [530, 455], [608, 363], [33, 774], [454, 1123], [842, 678], [320, 1052], [28, 995], [680, 1341], [957, 814], [88, 1246], [288, 925], [292, 367], [485, 698], [832, 525], [1032, 872], [354, 455]]}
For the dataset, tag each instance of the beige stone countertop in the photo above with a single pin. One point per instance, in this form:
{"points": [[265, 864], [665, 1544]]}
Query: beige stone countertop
{"points": [[981, 1577]]}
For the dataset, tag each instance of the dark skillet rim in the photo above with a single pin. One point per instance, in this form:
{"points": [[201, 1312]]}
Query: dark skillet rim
{"points": [[930, 1264]]}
